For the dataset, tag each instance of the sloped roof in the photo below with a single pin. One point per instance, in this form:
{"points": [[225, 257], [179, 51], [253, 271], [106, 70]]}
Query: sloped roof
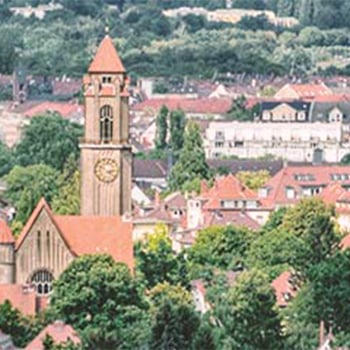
{"points": [[106, 59], [234, 218], [188, 105], [175, 200], [296, 104], [299, 177], [6, 236], [88, 234], [148, 168], [332, 193], [59, 332], [285, 288], [20, 297], [63, 108], [227, 187]]}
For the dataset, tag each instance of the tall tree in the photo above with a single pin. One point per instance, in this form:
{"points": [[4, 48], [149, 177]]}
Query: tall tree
{"points": [[191, 163], [157, 262], [67, 199], [175, 321], [99, 298], [6, 159], [177, 131], [248, 314], [48, 139], [311, 222], [26, 185], [162, 129]]}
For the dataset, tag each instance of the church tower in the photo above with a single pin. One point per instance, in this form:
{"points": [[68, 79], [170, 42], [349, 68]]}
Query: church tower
{"points": [[106, 159]]}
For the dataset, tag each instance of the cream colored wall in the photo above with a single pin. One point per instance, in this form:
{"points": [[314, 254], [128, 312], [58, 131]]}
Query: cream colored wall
{"points": [[286, 92], [142, 229], [50, 253], [7, 263]]}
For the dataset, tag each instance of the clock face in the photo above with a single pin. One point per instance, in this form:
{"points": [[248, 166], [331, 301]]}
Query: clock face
{"points": [[106, 170]]}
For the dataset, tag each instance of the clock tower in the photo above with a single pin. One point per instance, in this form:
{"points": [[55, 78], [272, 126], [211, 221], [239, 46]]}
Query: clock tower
{"points": [[106, 159]]}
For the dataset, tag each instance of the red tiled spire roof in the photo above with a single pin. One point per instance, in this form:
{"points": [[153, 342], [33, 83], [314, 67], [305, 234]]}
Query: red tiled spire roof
{"points": [[106, 59], [6, 236]]}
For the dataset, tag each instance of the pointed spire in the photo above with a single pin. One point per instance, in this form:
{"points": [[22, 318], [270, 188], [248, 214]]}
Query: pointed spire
{"points": [[106, 59]]}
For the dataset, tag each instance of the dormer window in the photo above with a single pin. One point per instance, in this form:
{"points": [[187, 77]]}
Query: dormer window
{"points": [[106, 79]]}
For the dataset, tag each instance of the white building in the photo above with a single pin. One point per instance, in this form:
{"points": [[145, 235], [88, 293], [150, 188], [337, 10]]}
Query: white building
{"points": [[302, 142]]}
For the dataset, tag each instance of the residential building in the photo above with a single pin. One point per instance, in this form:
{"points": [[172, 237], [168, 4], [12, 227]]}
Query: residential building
{"points": [[299, 142], [284, 111], [302, 91]]}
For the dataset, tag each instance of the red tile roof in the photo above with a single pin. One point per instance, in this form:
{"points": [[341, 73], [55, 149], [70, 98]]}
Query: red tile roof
{"points": [[332, 193], [106, 59], [234, 218], [285, 288], [6, 236], [310, 90], [59, 332], [345, 242], [188, 105], [89, 234], [63, 108], [227, 187], [299, 177], [21, 297]]}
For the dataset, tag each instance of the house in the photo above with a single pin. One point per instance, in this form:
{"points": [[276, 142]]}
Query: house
{"points": [[292, 183], [302, 91], [149, 173], [284, 111], [60, 333], [297, 142]]}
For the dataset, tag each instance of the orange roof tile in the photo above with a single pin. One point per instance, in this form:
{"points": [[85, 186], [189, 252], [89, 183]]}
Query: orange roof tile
{"points": [[345, 242], [59, 332], [188, 105], [98, 235], [301, 177], [89, 234], [284, 288], [6, 236], [229, 188], [63, 108], [332, 193], [311, 90], [21, 297], [106, 59]]}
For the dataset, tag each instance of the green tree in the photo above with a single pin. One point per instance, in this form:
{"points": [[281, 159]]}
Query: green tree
{"points": [[6, 159], [20, 328], [99, 298], [157, 262], [26, 185], [330, 288], [253, 179], [191, 163], [177, 132], [48, 139], [175, 321], [162, 129], [67, 199], [239, 110], [223, 247], [311, 222], [248, 315]]}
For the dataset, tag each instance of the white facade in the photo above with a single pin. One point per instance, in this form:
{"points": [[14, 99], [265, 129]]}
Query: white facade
{"points": [[291, 141]]}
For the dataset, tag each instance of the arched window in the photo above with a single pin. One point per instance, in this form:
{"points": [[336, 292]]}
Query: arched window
{"points": [[42, 282], [106, 123]]}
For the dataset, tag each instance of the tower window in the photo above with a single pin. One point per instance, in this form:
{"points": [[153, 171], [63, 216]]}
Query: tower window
{"points": [[106, 80], [106, 123]]}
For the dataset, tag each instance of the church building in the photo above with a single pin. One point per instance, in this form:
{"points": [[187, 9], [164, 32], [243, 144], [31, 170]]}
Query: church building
{"points": [[48, 243]]}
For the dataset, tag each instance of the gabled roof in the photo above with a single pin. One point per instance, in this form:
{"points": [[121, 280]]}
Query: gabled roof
{"points": [[296, 104], [88, 234], [65, 109], [332, 193], [227, 188], [20, 297], [6, 236], [299, 177], [106, 59], [59, 332]]}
